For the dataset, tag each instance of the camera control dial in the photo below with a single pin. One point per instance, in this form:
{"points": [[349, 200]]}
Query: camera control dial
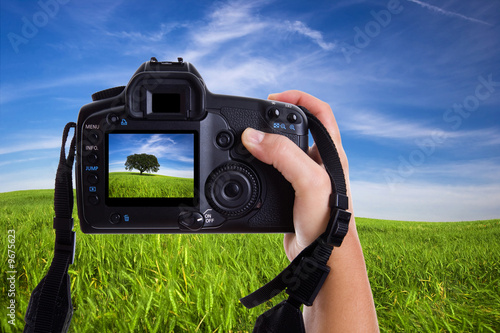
{"points": [[107, 93], [232, 189]]}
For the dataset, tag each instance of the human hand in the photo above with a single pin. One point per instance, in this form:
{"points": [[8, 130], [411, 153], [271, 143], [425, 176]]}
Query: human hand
{"points": [[305, 172], [346, 293]]}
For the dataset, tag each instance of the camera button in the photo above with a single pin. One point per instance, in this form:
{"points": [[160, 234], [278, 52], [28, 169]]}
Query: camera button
{"points": [[93, 199], [112, 119], [273, 113], [93, 179], [292, 117], [93, 137], [224, 140], [92, 158], [232, 190], [115, 218]]}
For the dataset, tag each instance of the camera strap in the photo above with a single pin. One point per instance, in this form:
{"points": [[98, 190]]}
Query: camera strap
{"points": [[305, 275], [50, 308]]}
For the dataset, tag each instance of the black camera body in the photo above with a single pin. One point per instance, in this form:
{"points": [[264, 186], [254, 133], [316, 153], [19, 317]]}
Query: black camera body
{"points": [[164, 155]]}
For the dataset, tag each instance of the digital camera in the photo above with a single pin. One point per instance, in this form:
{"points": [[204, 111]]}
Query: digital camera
{"points": [[164, 155]]}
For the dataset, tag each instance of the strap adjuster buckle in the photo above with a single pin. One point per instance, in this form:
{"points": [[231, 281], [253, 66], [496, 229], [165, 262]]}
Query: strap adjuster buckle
{"points": [[339, 227], [307, 280]]}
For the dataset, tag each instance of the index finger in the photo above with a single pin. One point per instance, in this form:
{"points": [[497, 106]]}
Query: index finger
{"points": [[320, 109]]}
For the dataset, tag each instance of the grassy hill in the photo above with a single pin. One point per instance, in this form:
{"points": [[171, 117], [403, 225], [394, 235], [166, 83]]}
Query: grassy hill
{"points": [[135, 185], [426, 277]]}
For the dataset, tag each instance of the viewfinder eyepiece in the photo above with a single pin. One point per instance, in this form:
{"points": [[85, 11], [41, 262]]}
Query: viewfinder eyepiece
{"points": [[166, 103]]}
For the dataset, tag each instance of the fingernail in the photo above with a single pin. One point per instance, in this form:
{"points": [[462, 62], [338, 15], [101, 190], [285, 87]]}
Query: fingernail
{"points": [[272, 96], [254, 136]]}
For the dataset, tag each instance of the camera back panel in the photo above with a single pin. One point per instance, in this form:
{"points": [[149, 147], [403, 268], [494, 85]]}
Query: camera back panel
{"points": [[201, 179]]}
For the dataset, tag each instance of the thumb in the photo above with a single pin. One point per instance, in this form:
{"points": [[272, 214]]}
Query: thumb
{"points": [[309, 180], [277, 150]]}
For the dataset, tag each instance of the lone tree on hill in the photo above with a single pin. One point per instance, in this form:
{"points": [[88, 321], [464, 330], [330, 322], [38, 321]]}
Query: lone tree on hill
{"points": [[142, 162]]}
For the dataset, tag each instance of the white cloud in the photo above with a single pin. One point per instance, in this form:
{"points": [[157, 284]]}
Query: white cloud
{"points": [[113, 168], [382, 126], [34, 177], [449, 191], [374, 124], [426, 201], [160, 145], [110, 77], [154, 36], [21, 161], [227, 22], [231, 21], [164, 147], [242, 78], [35, 144], [182, 173], [466, 172], [315, 35], [447, 12]]}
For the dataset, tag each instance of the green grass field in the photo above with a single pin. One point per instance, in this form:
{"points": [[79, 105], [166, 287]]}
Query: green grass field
{"points": [[426, 277], [135, 185]]}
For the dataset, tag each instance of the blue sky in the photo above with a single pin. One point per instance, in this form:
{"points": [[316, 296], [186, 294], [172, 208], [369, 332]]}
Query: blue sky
{"points": [[174, 152], [414, 85]]}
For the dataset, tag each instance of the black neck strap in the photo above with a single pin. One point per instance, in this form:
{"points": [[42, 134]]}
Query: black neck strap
{"points": [[50, 308], [305, 275]]}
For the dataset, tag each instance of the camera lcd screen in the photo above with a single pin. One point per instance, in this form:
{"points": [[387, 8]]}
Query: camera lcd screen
{"points": [[151, 168]]}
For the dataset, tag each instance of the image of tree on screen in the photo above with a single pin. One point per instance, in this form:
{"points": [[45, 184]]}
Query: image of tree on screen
{"points": [[142, 162]]}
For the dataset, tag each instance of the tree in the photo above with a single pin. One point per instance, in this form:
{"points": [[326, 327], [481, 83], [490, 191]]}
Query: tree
{"points": [[142, 162]]}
